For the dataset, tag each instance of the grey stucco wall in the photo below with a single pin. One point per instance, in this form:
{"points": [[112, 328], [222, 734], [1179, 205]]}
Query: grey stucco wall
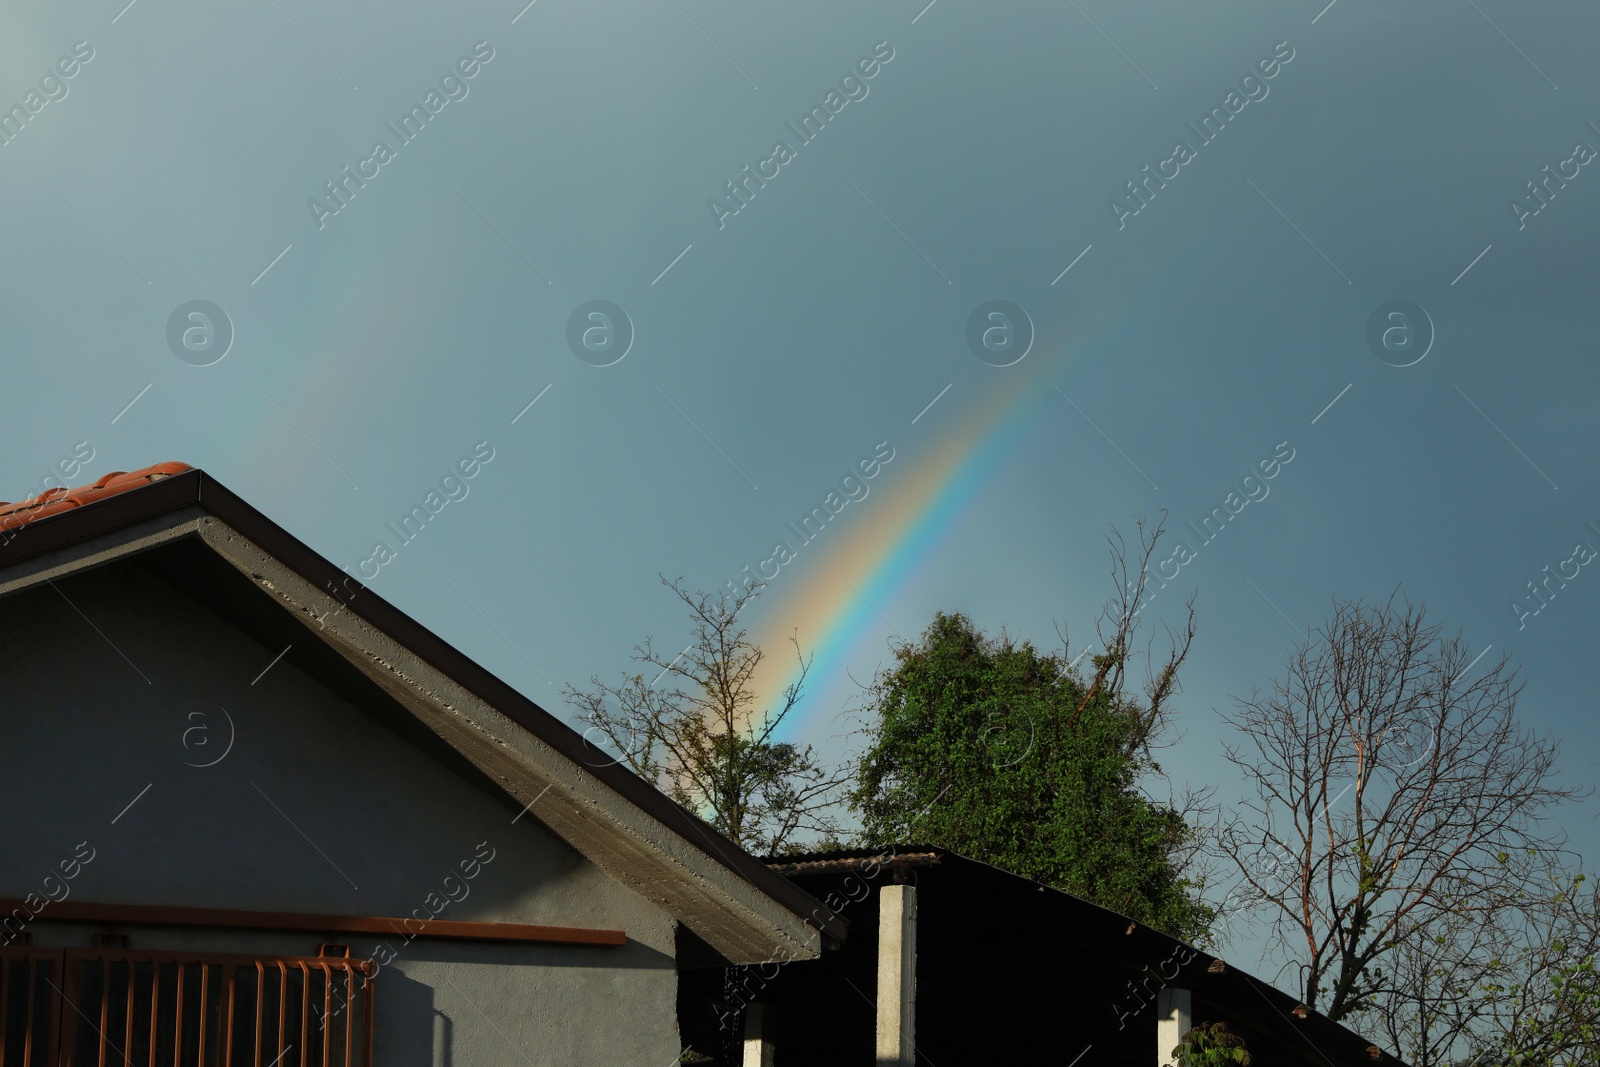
{"points": [[315, 808]]}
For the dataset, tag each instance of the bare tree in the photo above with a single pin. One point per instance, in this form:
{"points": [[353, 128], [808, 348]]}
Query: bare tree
{"points": [[1514, 989], [1114, 668], [1540, 1004], [1396, 836], [1114, 633], [694, 731]]}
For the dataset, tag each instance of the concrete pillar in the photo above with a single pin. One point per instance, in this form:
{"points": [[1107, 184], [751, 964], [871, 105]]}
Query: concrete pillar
{"points": [[759, 1051], [1173, 1020], [897, 976]]}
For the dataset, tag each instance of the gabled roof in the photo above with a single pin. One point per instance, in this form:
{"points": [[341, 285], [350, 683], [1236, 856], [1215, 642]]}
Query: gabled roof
{"points": [[1090, 957], [186, 526]]}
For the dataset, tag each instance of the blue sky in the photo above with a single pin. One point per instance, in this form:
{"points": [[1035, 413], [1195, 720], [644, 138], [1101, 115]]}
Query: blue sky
{"points": [[375, 347]]}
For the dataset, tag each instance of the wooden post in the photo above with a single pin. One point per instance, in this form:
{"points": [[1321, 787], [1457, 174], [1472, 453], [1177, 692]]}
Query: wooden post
{"points": [[897, 976]]}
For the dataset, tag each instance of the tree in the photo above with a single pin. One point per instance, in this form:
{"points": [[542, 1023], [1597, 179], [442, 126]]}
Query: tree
{"points": [[993, 749], [1396, 834], [1535, 1004], [694, 732], [1211, 1046]]}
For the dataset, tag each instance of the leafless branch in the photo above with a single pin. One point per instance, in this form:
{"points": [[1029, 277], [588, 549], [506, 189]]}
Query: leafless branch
{"points": [[695, 732], [1396, 804]]}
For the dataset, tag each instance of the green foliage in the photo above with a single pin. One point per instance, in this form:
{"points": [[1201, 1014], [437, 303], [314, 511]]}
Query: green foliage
{"points": [[989, 748], [1211, 1046]]}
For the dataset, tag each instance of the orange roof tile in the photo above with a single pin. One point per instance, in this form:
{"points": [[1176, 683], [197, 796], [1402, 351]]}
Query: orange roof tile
{"points": [[54, 501]]}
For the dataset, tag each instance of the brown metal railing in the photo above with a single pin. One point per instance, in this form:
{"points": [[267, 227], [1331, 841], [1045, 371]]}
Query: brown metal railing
{"points": [[125, 1008], [29, 1006]]}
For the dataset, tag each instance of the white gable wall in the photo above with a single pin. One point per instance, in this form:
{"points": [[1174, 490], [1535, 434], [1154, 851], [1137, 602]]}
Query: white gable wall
{"points": [[85, 727]]}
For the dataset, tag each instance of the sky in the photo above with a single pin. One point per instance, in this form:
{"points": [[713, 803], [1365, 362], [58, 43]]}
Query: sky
{"points": [[948, 278]]}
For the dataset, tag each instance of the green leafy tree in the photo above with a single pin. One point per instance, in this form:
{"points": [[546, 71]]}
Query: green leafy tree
{"points": [[990, 748]]}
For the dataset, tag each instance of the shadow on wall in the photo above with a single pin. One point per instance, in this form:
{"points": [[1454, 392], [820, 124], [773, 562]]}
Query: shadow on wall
{"points": [[446, 1040], [411, 1032]]}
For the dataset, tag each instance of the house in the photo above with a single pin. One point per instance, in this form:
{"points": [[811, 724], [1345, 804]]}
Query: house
{"points": [[951, 961], [258, 817]]}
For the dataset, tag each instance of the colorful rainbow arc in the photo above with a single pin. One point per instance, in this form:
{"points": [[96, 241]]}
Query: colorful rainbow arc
{"points": [[834, 605]]}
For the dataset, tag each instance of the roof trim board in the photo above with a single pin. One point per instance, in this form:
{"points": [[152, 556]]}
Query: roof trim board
{"points": [[408, 927]]}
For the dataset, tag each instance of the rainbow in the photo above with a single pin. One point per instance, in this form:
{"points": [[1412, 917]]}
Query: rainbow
{"points": [[833, 605]]}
